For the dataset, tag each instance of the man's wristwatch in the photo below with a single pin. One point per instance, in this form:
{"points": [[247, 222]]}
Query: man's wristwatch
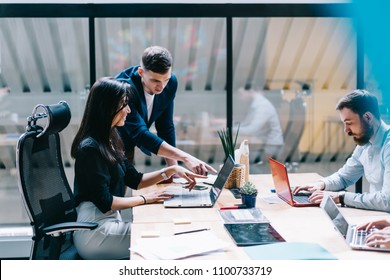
{"points": [[164, 174], [341, 198]]}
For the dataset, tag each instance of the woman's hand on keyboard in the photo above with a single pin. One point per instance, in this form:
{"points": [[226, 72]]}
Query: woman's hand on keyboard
{"points": [[156, 197]]}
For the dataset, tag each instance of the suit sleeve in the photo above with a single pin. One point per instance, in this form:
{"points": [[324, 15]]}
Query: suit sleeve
{"points": [[165, 126], [164, 123], [136, 133]]}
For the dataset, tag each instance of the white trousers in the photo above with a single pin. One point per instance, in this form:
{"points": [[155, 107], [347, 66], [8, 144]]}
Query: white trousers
{"points": [[109, 241]]}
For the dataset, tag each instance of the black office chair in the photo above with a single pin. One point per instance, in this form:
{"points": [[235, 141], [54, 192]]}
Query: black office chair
{"points": [[44, 187]]}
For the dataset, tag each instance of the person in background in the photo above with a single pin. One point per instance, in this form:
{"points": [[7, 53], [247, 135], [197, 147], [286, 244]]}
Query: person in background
{"points": [[102, 173], [4, 91], [379, 237], [155, 87], [262, 124], [359, 111]]}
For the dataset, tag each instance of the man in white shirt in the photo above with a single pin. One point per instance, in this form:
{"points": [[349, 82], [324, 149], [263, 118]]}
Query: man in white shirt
{"points": [[154, 87], [359, 111], [262, 124]]}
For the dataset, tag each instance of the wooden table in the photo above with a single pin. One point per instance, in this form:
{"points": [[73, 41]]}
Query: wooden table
{"points": [[295, 224]]}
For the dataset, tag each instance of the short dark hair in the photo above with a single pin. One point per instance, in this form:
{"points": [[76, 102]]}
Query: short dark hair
{"points": [[360, 101], [157, 59], [103, 101]]}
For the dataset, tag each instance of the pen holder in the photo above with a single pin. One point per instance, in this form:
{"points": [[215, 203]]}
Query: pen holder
{"points": [[236, 178]]}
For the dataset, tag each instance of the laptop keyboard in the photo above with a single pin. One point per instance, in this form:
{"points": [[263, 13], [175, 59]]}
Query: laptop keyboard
{"points": [[301, 199], [201, 197], [359, 238], [191, 197]]}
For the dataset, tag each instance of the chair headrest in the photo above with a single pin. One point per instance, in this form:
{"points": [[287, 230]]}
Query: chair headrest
{"points": [[58, 117]]}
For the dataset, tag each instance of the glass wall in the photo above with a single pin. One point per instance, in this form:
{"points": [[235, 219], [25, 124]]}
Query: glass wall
{"points": [[306, 61], [42, 60], [198, 47], [295, 69]]}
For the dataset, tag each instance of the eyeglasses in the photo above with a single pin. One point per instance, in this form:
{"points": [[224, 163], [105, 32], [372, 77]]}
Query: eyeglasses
{"points": [[122, 107]]}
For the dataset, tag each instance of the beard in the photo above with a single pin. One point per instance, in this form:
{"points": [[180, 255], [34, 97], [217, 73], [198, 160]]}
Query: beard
{"points": [[365, 135]]}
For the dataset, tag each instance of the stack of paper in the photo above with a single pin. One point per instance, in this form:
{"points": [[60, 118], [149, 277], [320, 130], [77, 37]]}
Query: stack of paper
{"points": [[178, 246]]}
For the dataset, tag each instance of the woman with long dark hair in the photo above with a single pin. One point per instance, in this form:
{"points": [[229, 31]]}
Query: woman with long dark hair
{"points": [[102, 173]]}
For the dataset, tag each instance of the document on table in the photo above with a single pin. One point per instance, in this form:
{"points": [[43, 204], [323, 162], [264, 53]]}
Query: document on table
{"points": [[178, 246]]}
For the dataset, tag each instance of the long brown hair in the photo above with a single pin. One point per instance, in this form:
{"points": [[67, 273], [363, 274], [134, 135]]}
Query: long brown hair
{"points": [[103, 101]]}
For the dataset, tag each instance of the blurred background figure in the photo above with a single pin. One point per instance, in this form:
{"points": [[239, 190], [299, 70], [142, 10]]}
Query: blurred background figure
{"points": [[4, 91], [4, 112], [261, 126]]}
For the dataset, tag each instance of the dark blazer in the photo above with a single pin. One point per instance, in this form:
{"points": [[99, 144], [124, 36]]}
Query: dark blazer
{"points": [[136, 130]]}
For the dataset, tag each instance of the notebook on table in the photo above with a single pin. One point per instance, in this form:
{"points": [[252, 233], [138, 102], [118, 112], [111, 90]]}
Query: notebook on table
{"points": [[283, 188], [354, 238], [184, 198]]}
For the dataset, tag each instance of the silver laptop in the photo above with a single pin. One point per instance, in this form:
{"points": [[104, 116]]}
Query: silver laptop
{"points": [[354, 238], [183, 198]]}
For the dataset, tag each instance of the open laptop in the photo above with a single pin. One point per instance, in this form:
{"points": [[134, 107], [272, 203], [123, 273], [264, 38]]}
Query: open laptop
{"points": [[354, 238], [283, 188], [184, 198]]}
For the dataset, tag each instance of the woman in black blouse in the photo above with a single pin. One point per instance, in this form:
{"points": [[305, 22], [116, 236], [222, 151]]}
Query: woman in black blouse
{"points": [[102, 173]]}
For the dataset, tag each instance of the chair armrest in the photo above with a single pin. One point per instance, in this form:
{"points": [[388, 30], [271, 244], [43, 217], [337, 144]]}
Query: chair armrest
{"points": [[58, 229]]}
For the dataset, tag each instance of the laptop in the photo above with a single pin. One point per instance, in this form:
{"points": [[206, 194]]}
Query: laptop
{"points": [[184, 198], [283, 188], [354, 238]]}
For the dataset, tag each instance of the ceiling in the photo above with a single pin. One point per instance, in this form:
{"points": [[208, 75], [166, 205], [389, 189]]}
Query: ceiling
{"points": [[52, 54]]}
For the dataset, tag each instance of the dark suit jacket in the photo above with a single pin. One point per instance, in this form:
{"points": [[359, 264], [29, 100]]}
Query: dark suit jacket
{"points": [[136, 130]]}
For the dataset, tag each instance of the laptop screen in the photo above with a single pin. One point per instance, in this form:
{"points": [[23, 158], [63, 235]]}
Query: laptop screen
{"points": [[222, 177], [335, 215], [280, 178]]}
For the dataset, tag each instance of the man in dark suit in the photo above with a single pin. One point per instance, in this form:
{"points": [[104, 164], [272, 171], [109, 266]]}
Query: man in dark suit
{"points": [[154, 87]]}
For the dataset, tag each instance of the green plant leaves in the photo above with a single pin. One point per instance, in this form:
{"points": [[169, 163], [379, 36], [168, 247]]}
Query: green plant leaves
{"points": [[227, 141], [248, 188]]}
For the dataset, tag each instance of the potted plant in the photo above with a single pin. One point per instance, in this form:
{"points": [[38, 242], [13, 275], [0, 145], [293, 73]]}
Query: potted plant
{"points": [[229, 147], [248, 194], [227, 141]]}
